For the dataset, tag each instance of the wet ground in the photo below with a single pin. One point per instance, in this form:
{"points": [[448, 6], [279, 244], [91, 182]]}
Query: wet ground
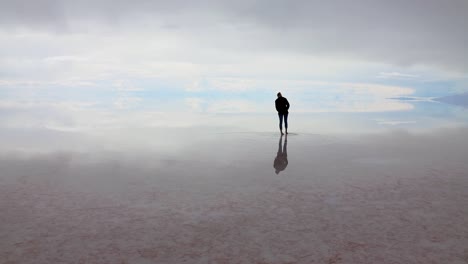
{"points": [[386, 197]]}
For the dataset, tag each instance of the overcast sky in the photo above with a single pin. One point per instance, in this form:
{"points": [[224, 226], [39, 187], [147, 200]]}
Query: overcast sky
{"points": [[229, 56], [426, 32]]}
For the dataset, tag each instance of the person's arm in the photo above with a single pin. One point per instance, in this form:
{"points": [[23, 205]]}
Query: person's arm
{"points": [[287, 104], [276, 106]]}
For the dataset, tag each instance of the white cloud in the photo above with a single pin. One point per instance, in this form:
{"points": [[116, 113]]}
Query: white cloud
{"points": [[224, 40], [62, 59], [426, 32], [126, 101], [396, 75], [195, 104], [394, 122], [310, 97], [233, 106], [233, 84], [223, 56]]}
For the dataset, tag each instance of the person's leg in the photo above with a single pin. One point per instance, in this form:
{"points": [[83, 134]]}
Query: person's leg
{"points": [[281, 123], [286, 122]]}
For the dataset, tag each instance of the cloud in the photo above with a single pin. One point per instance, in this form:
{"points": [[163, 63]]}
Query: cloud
{"points": [[137, 58], [234, 106], [195, 104], [305, 97], [126, 101], [394, 122], [396, 75], [417, 32], [126, 109]]}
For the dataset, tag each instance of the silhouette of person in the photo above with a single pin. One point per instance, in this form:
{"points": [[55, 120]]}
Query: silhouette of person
{"points": [[282, 106], [281, 160]]}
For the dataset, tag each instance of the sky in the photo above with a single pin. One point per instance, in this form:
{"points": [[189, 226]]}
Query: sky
{"points": [[68, 64]]}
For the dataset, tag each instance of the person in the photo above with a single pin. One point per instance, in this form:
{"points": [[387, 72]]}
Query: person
{"points": [[281, 160], [282, 106]]}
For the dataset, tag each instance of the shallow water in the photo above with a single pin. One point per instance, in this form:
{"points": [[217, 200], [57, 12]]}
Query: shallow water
{"points": [[148, 187], [214, 196]]}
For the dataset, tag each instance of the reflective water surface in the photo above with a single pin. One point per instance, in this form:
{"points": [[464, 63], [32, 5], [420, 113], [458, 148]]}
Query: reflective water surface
{"points": [[214, 196]]}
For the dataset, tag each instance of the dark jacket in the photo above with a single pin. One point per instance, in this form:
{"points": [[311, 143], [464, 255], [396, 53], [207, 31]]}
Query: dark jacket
{"points": [[282, 105]]}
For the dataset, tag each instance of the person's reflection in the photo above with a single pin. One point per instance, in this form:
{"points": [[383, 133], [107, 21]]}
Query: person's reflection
{"points": [[281, 160]]}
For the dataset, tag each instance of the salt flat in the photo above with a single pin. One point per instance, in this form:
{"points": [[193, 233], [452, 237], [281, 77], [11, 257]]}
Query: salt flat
{"points": [[215, 197]]}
